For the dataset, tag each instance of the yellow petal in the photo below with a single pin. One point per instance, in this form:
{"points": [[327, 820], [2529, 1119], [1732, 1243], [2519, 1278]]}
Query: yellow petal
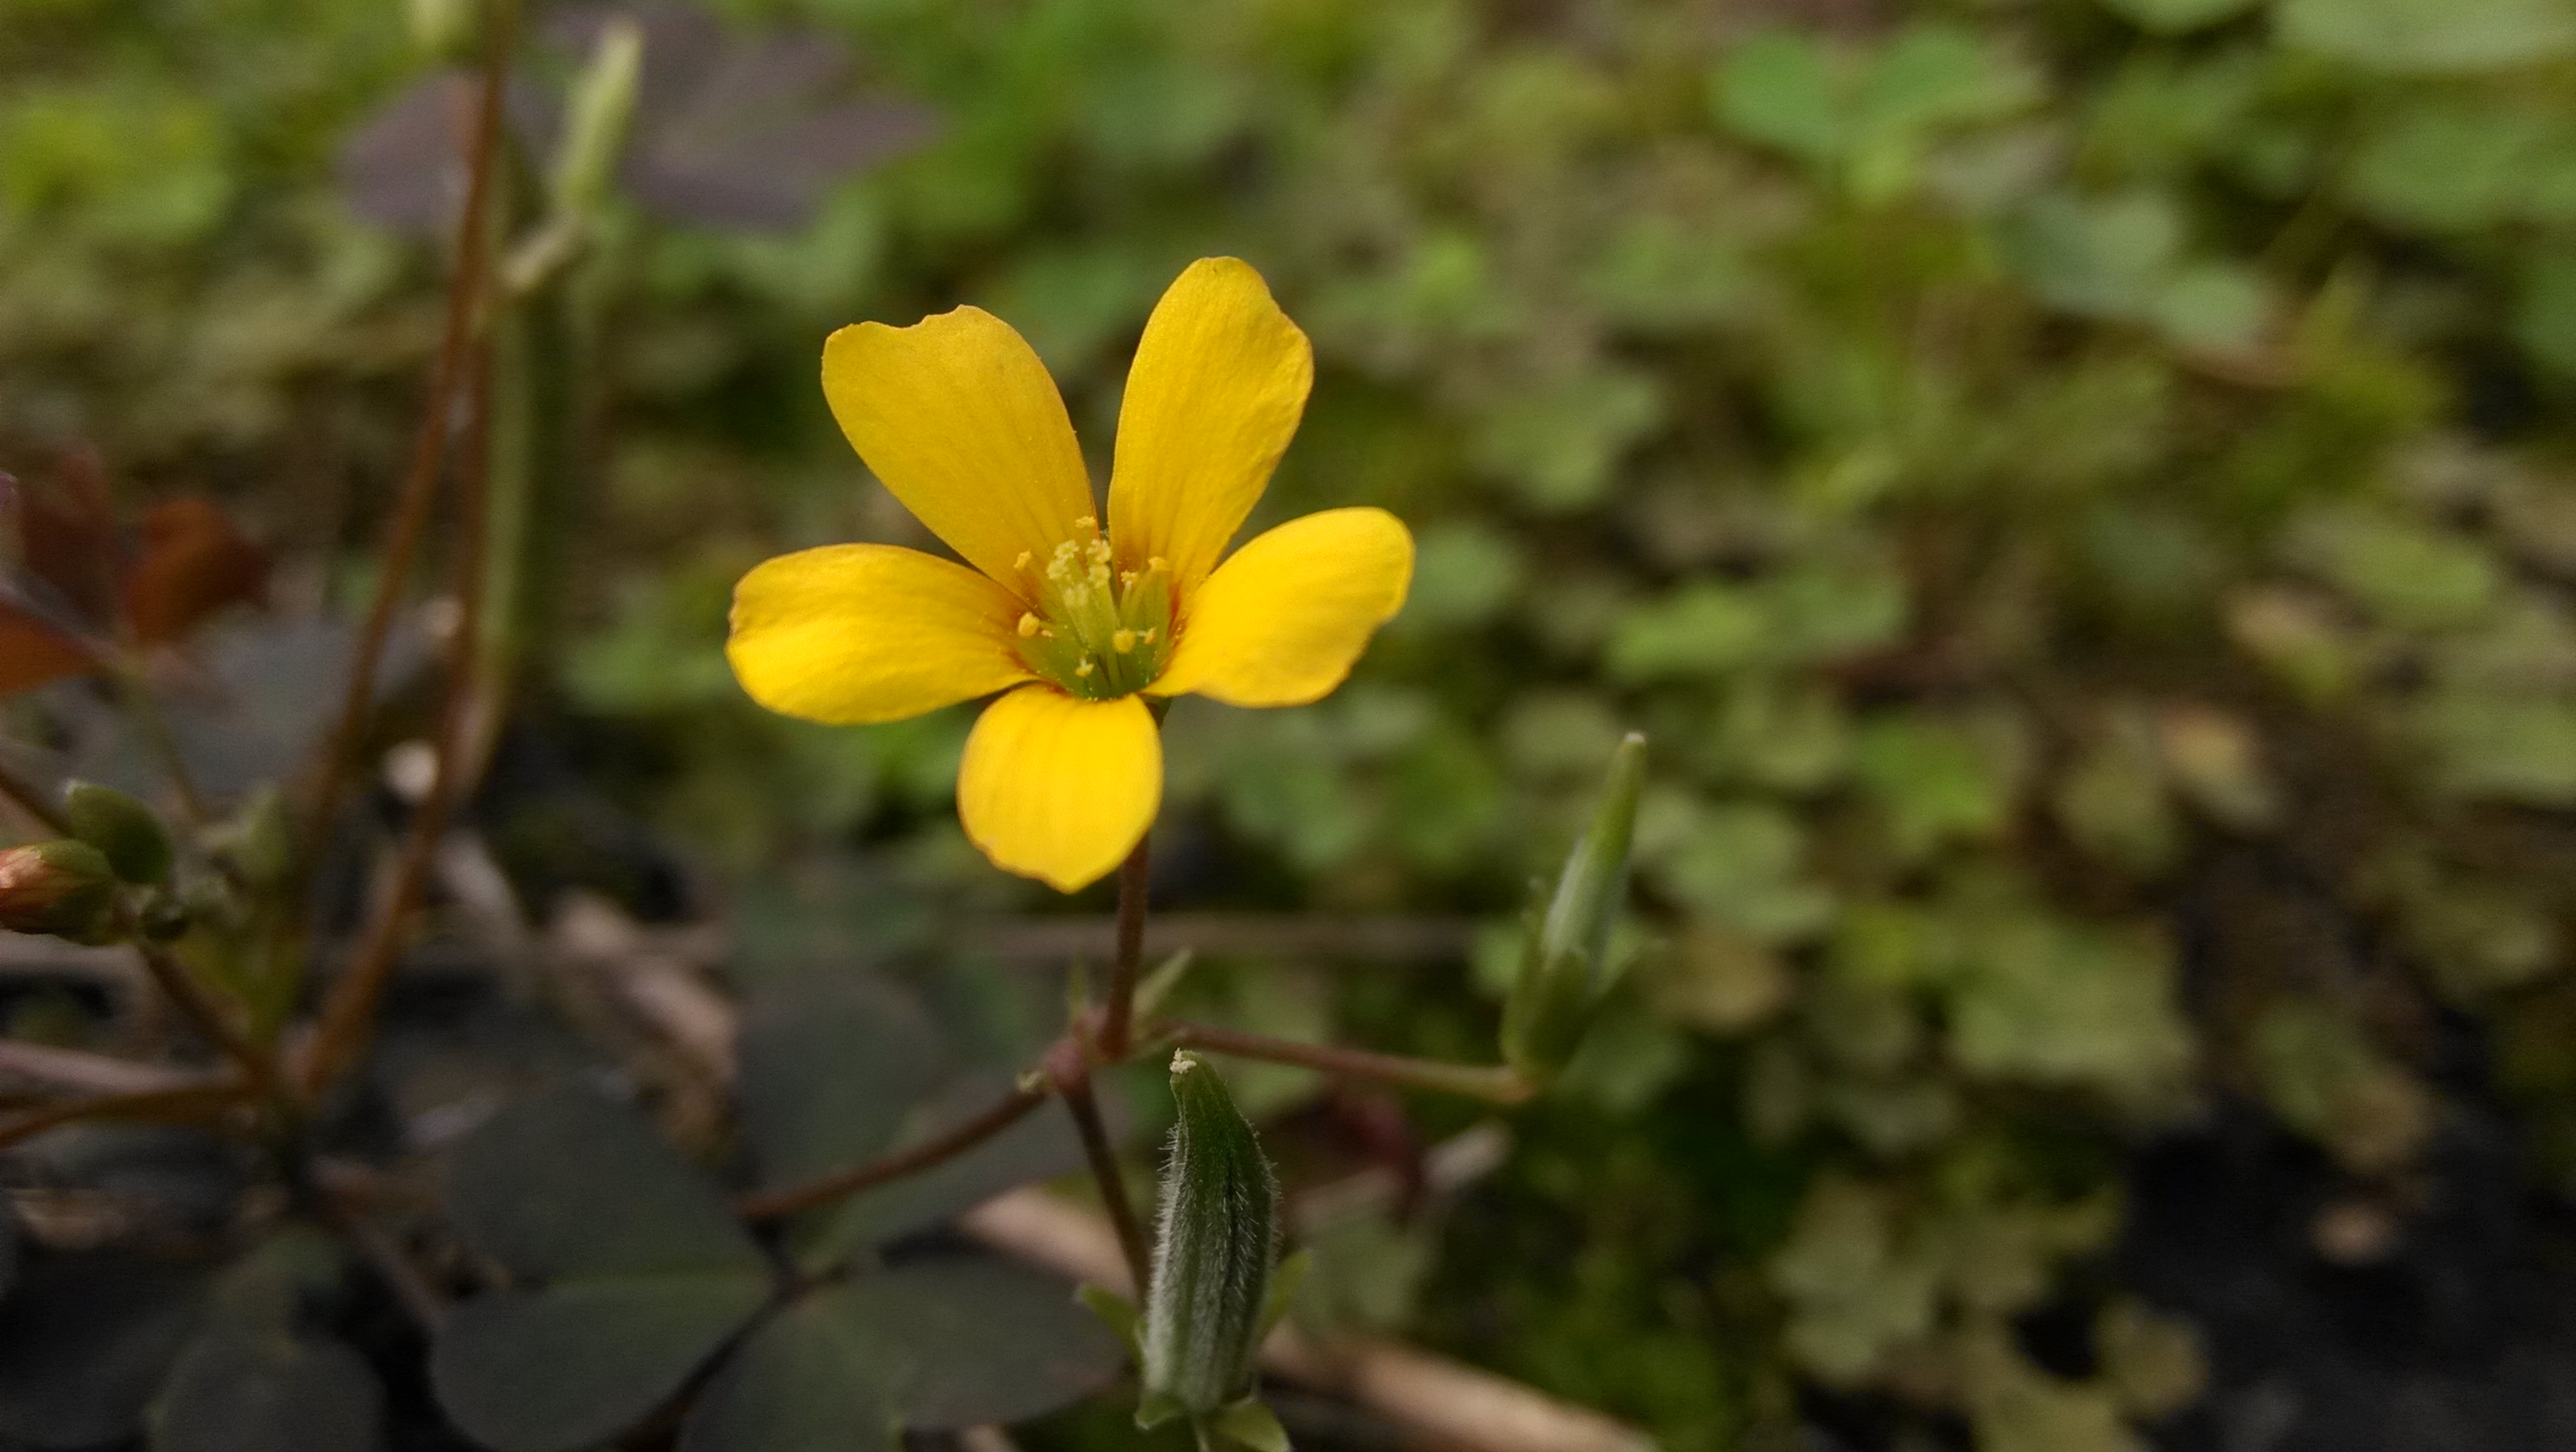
{"points": [[862, 632], [1281, 623], [1212, 400], [1059, 789], [959, 418]]}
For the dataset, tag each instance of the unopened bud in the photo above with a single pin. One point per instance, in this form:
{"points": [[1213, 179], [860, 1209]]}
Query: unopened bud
{"points": [[1212, 1254], [130, 833], [61, 887], [1564, 952]]}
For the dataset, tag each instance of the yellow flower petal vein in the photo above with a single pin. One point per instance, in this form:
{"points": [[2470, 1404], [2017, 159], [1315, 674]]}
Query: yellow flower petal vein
{"points": [[959, 418], [1059, 789], [863, 632], [1218, 385], [1282, 622]]}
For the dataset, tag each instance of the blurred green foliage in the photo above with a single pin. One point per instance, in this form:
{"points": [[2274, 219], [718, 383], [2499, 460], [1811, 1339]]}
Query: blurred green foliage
{"points": [[2047, 473]]}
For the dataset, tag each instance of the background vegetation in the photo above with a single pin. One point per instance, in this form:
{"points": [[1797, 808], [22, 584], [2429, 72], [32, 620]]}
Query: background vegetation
{"points": [[2077, 491]]}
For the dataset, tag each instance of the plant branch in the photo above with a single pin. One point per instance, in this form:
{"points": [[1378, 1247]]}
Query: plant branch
{"points": [[466, 288], [1117, 1029], [1073, 1084], [96, 1073], [183, 1102], [145, 709], [349, 1009], [1496, 1084], [841, 1184], [202, 1012]]}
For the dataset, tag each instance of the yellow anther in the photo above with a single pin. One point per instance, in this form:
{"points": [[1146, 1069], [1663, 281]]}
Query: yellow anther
{"points": [[1083, 669], [1124, 642], [1157, 563], [1087, 524], [1153, 634], [1028, 624], [1023, 561]]}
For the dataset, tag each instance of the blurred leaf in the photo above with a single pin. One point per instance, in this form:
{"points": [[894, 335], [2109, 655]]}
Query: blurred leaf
{"points": [[33, 653], [1936, 782], [565, 1184], [2323, 1076], [648, 1273], [193, 564], [2177, 17], [1853, 1289], [246, 1388], [829, 1068], [2513, 749], [84, 1341], [2431, 36], [580, 1361], [798, 1383], [953, 1343]]}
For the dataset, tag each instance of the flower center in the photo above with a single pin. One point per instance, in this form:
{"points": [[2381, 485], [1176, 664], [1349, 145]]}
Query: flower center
{"points": [[1098, 631]]}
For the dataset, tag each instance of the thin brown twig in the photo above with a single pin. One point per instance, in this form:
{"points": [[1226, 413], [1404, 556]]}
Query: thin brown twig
{"points": [[420, 1301], [1496, 1083], [95, 1073], [184, 1102], [348, 1011], [466, 288], [1073, 1085], [843, 1183], [1134, 874], [31, 801]]}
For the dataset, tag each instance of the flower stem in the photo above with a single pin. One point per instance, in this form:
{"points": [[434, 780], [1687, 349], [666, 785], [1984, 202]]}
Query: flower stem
{"points": [[1116, 1032], [202, 1013], [1497, 1084], [842, 1183], [348, 1013], [466, 290], [145, 709], [1072, 1077]]}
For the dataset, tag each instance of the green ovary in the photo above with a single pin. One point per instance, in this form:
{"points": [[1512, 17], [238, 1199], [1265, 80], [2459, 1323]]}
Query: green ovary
{"points": [[1098, 632]]}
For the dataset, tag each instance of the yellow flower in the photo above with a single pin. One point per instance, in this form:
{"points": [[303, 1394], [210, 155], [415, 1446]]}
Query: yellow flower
{"points": [[1075, 625]]}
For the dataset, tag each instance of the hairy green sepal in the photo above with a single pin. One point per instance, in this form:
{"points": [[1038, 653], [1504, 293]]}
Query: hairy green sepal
{"points": [[1212, 1255]]}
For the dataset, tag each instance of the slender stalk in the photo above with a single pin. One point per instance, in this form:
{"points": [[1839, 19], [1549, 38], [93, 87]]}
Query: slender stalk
{"points": [[841, 1184], [466, 289], [1496, 1084], [144, 1104], [203, 1013], [96, 1073], [1117, 1029], [145, 709], [349, 1009], [23, 794], [1073, 1085]]}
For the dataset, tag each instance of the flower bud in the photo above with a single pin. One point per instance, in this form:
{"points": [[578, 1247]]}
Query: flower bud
{"points": [[61, 887], [130, 833], [1563, 965], [601, 105], [1212, 1254]]}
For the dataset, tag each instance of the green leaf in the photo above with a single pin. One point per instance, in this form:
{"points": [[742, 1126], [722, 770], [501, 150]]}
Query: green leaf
{"points": [[1250, 1424], [241, 1387], [84, 1341], [131, 834], [648, 1273], [2430, 36], [1779, 88], [567, 1184], [798, 1384], [576, 1363], [1115, 1312], [960, 1341], [829, 1069], [2178, 17]]}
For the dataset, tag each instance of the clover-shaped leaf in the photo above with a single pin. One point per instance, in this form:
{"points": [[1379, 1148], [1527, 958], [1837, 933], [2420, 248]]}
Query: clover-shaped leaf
{"points": [[643, 1274], [931, 1345]]}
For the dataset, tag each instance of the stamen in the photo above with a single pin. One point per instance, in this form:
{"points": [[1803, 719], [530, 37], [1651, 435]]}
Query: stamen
{"points": [[1022, 562], [1029, 624], [1084, 669], [1124, 642]]}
